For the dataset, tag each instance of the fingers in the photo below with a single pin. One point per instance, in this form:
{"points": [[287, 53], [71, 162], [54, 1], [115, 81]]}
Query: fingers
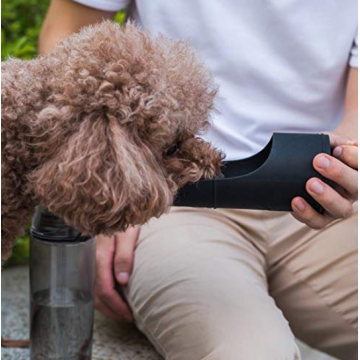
{"points": [[342, 170], [337, 171], [334, 204], [304, 213], [347, 154], [107, 300], [121, 314], [337, 140], [124, 254], [105, 310]]}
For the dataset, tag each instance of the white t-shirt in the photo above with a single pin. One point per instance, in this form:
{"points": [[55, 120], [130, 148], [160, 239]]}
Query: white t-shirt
{"points": [[281, 64]]}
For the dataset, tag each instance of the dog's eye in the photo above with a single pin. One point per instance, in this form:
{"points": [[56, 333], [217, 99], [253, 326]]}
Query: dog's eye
{"points": [[172, 149]]}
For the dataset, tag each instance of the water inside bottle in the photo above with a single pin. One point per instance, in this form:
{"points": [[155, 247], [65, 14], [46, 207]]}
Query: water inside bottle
{"points": [[61, 325]]}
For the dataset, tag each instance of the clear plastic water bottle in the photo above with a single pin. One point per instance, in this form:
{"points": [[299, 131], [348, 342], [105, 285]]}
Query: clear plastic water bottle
{"points": [[62, 275]]}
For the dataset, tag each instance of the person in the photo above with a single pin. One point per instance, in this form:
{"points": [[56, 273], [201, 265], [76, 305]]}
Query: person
{"points": [[239, 284]]}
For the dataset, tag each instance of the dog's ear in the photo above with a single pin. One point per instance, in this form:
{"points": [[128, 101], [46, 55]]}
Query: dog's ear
{"points": [[101, 180]]}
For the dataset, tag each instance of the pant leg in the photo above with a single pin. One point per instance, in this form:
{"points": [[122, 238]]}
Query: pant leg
{"points": [[313, 279], [199, 291]]}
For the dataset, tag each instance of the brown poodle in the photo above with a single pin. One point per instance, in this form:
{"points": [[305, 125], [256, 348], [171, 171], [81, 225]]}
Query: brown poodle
{"points": [[103, 130]]}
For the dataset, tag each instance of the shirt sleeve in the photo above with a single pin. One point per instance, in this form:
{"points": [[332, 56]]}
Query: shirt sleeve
{"points": [[354, 53], [106, 5]]}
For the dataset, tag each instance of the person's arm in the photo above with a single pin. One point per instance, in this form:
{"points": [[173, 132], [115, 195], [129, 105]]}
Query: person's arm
{"points": [[114, 262], [349, 124], [65, 17], [341, 168]]}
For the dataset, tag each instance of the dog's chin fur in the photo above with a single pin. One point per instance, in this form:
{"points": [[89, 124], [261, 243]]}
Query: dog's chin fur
{"points": [[86, 130]]}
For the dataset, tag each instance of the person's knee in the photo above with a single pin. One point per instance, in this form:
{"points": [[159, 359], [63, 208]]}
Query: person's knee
{"points": [[202, 335], [193, 320], [223, 349], [259, 347]]}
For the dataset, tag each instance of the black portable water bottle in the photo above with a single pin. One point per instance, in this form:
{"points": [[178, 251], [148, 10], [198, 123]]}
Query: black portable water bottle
{"points": [[62, 274], [268, 180]]}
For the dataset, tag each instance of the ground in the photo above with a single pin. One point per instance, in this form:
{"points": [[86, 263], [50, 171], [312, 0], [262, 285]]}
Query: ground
{"points": [[112, 341]]}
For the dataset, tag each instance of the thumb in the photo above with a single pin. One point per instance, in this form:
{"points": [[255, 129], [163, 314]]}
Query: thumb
{"points": [[124, 254]]}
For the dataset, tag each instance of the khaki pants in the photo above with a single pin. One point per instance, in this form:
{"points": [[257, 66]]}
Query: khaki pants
{"points": [[239, 284]]}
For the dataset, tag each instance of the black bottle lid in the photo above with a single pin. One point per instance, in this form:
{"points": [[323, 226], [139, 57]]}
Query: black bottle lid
{"points": [[49, 227]]}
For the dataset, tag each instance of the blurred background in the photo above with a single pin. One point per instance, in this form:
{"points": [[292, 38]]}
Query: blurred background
{"points": [[20, 27]]}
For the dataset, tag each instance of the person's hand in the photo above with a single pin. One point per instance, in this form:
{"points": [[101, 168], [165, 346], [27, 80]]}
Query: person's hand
{"points": [[342, 169], [114, 257]]}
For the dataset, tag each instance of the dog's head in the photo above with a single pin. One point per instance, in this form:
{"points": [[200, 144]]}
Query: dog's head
{"points": [[119, 133]]}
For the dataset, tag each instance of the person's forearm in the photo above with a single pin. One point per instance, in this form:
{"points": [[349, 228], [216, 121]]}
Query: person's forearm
{"points": [[349, 124], [64, 18]]}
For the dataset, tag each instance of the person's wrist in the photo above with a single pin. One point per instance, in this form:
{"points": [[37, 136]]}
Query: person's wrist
{"points": [[346, 131]]}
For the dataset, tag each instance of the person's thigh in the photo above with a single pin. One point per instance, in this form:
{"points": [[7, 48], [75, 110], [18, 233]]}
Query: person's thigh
{"points": [[313, 279], [198, 291]]}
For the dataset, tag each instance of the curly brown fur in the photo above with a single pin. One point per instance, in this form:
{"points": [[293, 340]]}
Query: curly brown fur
{"points": [[85, 130]]}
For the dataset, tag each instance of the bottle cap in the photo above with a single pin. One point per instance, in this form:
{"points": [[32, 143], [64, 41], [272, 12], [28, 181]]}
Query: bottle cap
{"points": [[49, 227]]}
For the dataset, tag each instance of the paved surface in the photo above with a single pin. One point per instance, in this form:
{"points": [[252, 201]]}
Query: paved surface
{"points": [[112, 341]]}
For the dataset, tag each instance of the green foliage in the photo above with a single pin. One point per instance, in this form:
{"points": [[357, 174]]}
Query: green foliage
{"points": [[20, 27], [120, 17], [20, 253]]}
